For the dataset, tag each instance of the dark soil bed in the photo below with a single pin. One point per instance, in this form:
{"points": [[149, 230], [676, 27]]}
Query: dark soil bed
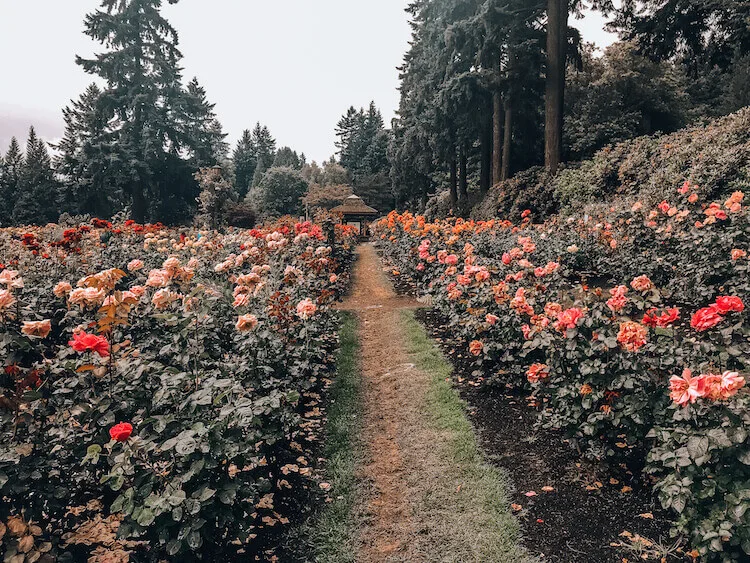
{"points": [[571, 510]]}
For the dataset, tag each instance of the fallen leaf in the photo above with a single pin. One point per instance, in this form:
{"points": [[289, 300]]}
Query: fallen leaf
{"points": [[530, 494], [516, 507], [548, 489], [647, 515]]}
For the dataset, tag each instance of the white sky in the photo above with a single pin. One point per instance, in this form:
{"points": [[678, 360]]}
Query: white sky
{"points": [[294, 65]]}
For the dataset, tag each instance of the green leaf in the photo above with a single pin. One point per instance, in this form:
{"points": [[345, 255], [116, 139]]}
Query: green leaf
{"points": [[203, 494], [174, 547], [146, 517], [697, 446], [194, 540]]}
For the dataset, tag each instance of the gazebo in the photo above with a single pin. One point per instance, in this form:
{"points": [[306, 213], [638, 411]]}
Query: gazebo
{"points": [[356, 213]]}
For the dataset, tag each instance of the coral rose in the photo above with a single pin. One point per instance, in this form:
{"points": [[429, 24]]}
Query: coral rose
{"points": [[306, 309], [537, 372], [83, 342], [728, 304], [135, 265], [685, 389], [62, 289], [40, 329], [568, 319], [641, 283], [476, 347], [632, 336], [705, 318], [246, 323]]}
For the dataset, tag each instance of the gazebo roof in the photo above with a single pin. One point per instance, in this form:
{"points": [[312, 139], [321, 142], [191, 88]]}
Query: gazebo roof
{"points": [[353, 205]]}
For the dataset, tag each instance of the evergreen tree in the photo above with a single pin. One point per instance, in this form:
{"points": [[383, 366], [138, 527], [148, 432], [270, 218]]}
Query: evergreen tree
{"points": [[205, 136], [9, 181], [285, 156], [245, 160], [83, 158], [159, 131], [363, 152], [37, 189], [265, 147]]}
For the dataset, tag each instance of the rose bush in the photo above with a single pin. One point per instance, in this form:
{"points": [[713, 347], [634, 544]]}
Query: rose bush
{"points": [[160, 394], [599, 317]]}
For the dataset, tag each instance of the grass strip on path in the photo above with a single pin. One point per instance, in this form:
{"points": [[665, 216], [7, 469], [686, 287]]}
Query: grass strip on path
{"points": [[476, 523], [333, 536]]}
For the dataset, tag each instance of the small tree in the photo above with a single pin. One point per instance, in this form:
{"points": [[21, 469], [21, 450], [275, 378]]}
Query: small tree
{"points": [[325, 197], [212, 201], [279, 192]]}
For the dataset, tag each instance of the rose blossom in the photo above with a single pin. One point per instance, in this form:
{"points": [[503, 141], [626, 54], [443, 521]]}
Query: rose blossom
{"points": [[618, 300], [568, 319], [163, 298], [135, 265], [641, 283], [6, 299], [705, 318], [476, 347], [158, 278], [40, 329], [62, 289], [728, 304], [246, 323], [537, 372], [83, 342], [491, 319], [121, 432], [685, 389], [632, 336], [306, 309]]}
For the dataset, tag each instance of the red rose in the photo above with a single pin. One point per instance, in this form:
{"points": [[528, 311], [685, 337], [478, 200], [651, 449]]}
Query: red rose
{"points": [[727, 304], [121, 432], [83, 342], [706, 318]]}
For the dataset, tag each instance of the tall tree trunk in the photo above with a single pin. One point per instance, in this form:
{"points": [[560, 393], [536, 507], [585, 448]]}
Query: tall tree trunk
{"points": [[557, 41], [508, 139], [485, 175], [463, 186], [497, 137], [454, 179], [138, 209]]}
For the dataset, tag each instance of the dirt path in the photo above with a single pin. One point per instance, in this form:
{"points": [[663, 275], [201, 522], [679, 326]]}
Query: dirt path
{"points": [[429, 497], [388, 399]]}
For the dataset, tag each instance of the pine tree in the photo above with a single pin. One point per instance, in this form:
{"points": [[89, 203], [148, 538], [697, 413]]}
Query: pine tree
{"points": [[205, 137], [11, 173], [37, 189], [151, 117], [265, 146], [83, 158], [245, 159], [285, 156]]}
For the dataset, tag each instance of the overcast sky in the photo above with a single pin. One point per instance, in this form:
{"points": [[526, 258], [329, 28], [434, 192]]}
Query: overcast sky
{"points": [[294, 65]]}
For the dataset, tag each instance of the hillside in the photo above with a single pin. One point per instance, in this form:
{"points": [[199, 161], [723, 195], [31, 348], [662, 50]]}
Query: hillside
{"points": [[715, 156]]}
